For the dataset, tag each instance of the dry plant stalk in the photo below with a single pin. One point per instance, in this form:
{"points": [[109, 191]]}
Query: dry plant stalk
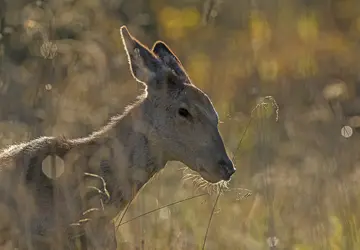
{"points": [[102, 173]]}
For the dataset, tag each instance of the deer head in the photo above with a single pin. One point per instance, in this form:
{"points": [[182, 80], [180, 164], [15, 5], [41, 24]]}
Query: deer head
{"points": [[182, 117]]}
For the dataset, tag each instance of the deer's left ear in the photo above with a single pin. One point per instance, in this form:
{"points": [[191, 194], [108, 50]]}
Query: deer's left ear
{"points": [[168, 57], [143, 63]]}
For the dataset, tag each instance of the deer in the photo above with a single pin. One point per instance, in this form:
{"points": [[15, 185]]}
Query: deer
{"points": [[172, 120]]}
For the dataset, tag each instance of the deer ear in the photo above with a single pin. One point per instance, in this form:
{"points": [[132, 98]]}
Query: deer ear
{"points": [[168, 57], [164, 52], [143, 63]]}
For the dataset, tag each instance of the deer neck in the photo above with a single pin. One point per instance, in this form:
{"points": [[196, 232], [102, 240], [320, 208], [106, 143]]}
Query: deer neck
{"points": [[135, 155]]}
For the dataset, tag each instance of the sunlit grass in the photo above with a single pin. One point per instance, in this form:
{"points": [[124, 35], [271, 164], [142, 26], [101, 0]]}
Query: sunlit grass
{"points": [[305, 55]]}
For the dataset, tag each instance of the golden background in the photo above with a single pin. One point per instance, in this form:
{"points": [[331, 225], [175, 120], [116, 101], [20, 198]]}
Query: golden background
{"points": [[63, 71]]}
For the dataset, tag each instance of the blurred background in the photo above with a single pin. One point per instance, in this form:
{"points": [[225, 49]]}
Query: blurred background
{"points": [[63, 71]]}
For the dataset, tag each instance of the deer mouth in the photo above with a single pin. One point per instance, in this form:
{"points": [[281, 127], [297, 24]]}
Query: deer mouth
{"points": [[210, 177]]}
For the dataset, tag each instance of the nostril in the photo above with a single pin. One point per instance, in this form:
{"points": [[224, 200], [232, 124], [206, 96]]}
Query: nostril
{"points": [[225, 162], [222, 162], [228, 166], [231, 170]]}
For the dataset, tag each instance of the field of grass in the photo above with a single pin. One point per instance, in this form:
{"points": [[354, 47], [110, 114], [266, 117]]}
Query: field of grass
{"points": [[63, 71]]}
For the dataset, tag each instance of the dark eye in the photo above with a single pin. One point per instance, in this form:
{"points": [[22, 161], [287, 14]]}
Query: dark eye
{"points": [[184, 112]]}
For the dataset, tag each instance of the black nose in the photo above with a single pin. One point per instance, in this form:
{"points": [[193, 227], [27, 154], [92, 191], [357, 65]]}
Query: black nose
{"points": [[227, 168]]}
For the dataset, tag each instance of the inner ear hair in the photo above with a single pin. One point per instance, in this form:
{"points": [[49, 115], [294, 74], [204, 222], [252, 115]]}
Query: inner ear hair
{"points": [[143, 62], [161, 49]]}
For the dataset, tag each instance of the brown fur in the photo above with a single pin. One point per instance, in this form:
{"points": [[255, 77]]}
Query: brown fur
{"points": [[172, 120]]}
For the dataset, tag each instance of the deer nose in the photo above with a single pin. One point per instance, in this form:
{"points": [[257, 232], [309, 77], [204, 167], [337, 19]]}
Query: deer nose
{"points": [[227, 168]]}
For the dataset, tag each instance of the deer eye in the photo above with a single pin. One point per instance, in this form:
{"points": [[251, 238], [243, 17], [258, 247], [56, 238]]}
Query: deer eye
{"points": [[184, 112]]}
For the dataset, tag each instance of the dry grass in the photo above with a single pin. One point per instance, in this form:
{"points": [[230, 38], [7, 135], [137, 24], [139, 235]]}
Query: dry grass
{"points": [[63, 72]]}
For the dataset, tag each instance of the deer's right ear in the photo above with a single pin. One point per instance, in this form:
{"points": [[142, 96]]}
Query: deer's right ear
{"points": [[143, 63], [168, 57]]}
